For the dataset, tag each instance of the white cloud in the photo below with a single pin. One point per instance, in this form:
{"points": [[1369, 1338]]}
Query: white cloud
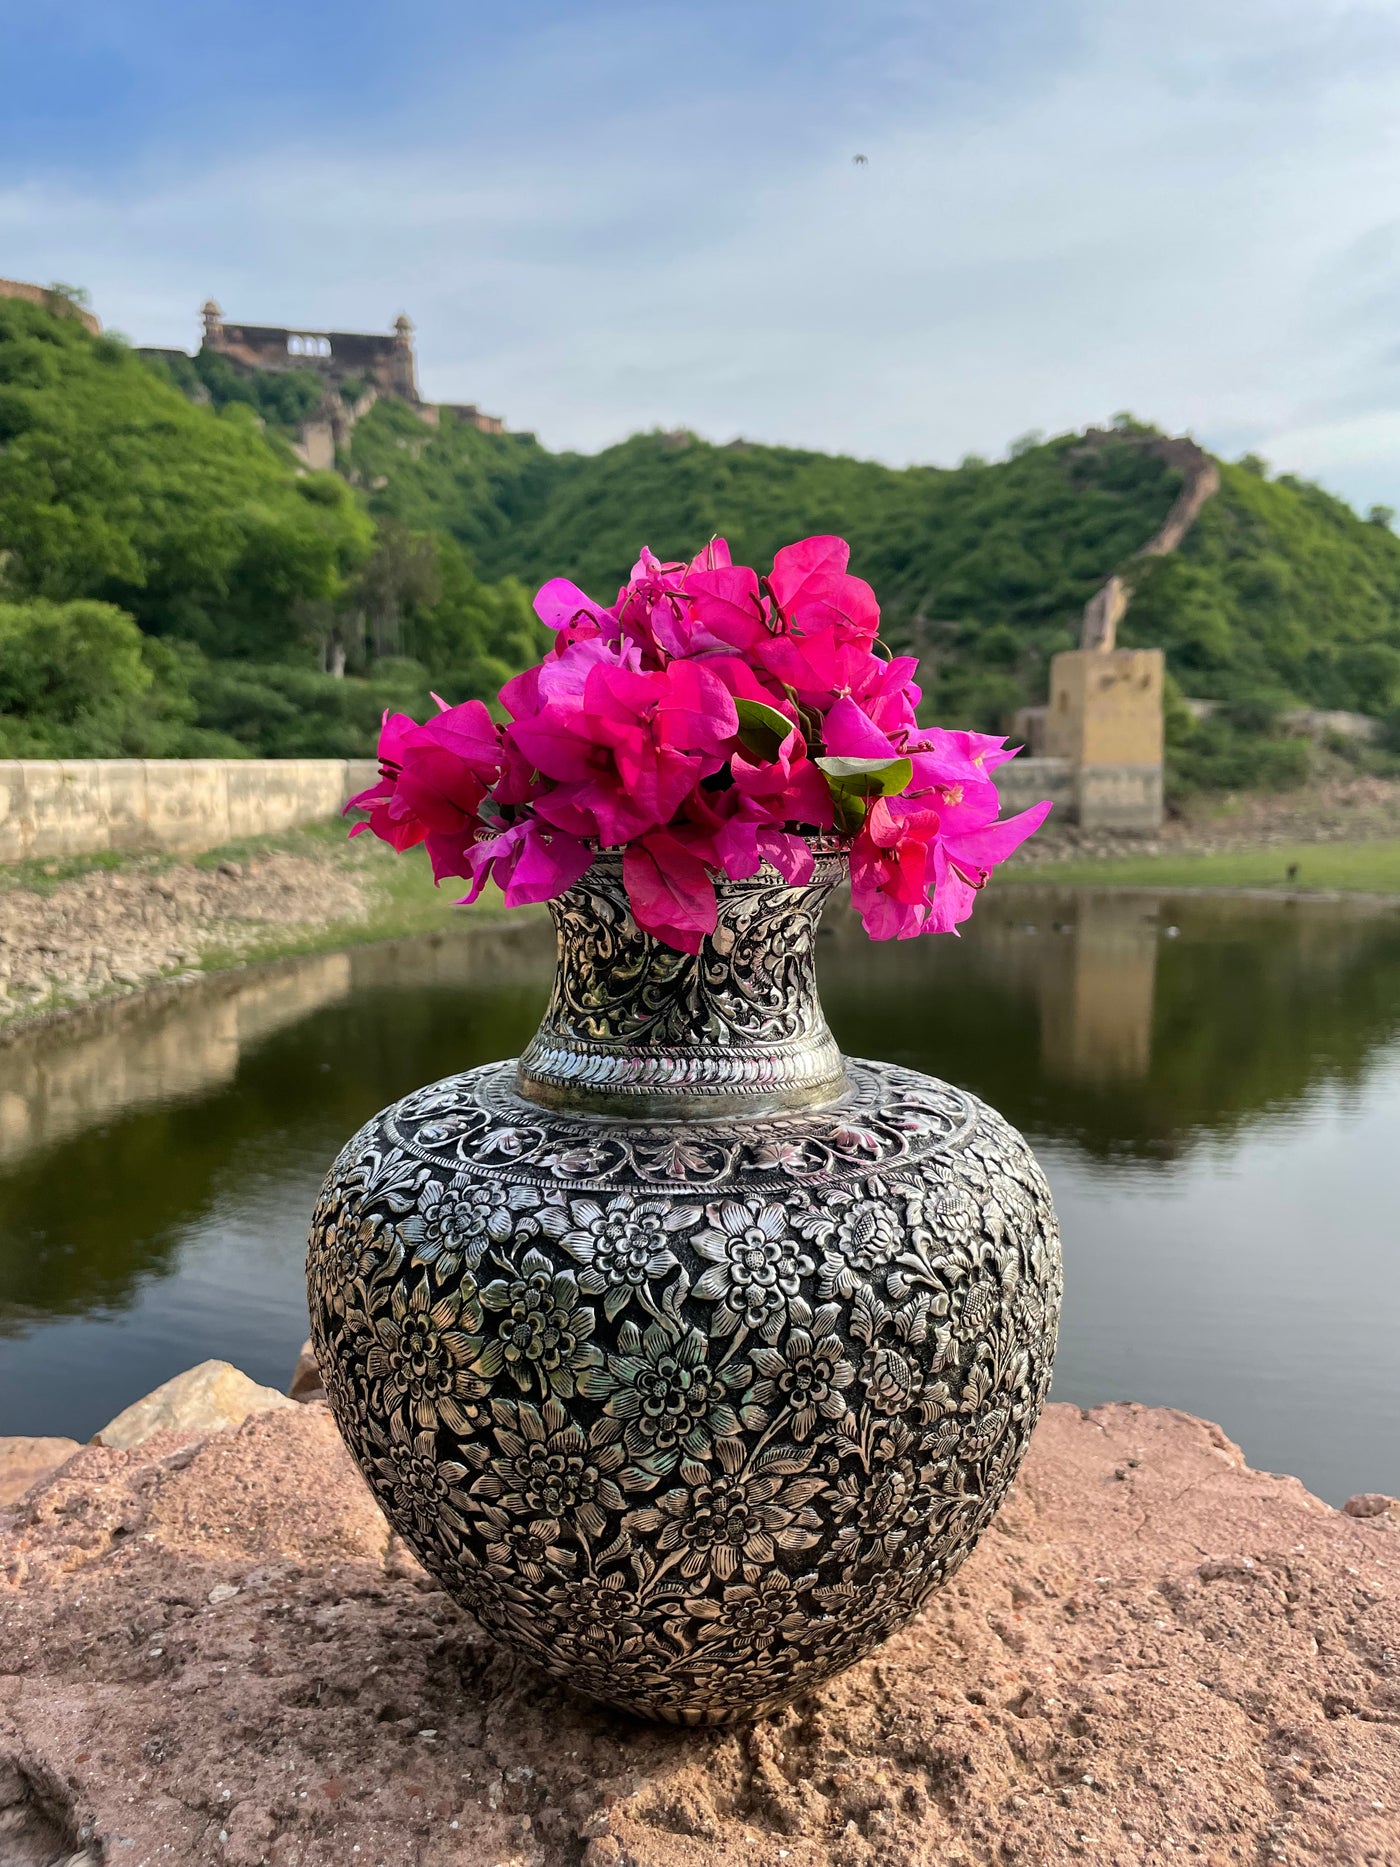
{"points": [[1190, 212]]}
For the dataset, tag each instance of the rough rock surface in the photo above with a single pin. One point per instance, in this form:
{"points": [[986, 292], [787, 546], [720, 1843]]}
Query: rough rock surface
{"points": [[24, 1461], [215, 1652], [204, 1399]]}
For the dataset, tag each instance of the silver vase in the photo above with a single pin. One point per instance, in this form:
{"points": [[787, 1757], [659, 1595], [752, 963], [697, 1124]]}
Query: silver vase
{"points": [[689, 1355]]}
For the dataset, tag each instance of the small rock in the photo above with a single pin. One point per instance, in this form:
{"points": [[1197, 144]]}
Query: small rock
{"points": [[1375, 1507], [202, 1399], [222, 1591], [306, 1376], [234, 870], [24, 1461]]}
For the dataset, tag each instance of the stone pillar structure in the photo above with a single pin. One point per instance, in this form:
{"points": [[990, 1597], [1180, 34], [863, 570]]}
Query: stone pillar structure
{"points": [[1105, 717], [404, 375]]}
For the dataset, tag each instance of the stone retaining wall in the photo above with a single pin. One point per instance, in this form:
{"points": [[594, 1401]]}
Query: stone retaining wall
{"points": [[1097, 797], [1025, 781], [81, 807]]}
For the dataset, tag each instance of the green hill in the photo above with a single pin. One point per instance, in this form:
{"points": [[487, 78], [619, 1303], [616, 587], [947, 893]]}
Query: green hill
{"points": [[173, 581], [1280, 597], [245, 583]]}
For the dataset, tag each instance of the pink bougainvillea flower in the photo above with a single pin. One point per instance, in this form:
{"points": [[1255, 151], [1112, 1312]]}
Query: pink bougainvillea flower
{"points": [[713, 556], [812, 590], [727, 610], [433, 780], [469, 733], [556, 684], [745, 683], [669, 890], [848, 732], [529, 863], [822, 668], [563, 607], [941, 756], [625, 758], [649, 606], [547, 864], [802, 568], [962, 864], [681, 724], [789, 787], [890, 868], [747, 839], [392, 825], [654, 610], [441, 790]]}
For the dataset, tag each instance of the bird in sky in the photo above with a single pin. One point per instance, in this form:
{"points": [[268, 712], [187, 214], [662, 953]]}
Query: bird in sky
{"points": [[861, 161]]}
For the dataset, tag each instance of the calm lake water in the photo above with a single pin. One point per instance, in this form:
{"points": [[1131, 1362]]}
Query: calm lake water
{"points": [[1213, 1087]]}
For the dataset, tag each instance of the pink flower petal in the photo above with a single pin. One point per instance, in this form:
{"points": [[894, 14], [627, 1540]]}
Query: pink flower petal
{"points": [[796, 567], [469, 733], [548, 863], [848, 733], [669, 891], [984, 849], [559, 604], [553, 745], [727, 602]]}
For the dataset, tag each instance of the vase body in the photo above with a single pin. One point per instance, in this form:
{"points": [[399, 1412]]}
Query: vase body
{"points": [[688, 1355]]}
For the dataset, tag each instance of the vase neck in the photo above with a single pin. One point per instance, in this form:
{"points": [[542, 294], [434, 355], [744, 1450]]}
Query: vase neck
{"points": [[634, 1028]]}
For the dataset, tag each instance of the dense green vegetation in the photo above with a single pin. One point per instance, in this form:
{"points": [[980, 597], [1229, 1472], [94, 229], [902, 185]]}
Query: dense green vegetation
{"points": [[982, 571], [1280, 597], [283, 398], [279, 610], [172, 581]]}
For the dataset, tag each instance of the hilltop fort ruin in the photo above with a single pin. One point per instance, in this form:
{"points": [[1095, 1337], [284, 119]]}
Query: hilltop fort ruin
{"points": [[358, 368], [339, 356]]}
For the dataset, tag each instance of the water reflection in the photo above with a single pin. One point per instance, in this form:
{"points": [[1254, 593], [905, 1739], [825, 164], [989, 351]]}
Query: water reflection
{"points": [[1132, 1025], [1096, 1002], [1209, 1103], [116, 1129], [132, 1054]]}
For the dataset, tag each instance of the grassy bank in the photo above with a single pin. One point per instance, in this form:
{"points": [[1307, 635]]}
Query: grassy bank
{"points": [[85, 930], [401, 897], [1370, 868]]}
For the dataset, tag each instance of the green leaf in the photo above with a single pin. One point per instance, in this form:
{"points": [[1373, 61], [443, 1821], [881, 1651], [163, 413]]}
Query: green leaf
{"points": [[762, 729], [851, 781], [867, 777], [850, 810]]}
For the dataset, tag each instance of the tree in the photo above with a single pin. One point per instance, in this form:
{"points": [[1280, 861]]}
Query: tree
{"points": [[400, 573]]}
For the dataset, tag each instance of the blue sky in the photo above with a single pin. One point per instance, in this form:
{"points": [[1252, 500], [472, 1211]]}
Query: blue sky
{"points": [[603, 217]]}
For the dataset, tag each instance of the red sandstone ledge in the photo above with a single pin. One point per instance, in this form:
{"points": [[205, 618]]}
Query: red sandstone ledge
{"points": [[213, 1651]]}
